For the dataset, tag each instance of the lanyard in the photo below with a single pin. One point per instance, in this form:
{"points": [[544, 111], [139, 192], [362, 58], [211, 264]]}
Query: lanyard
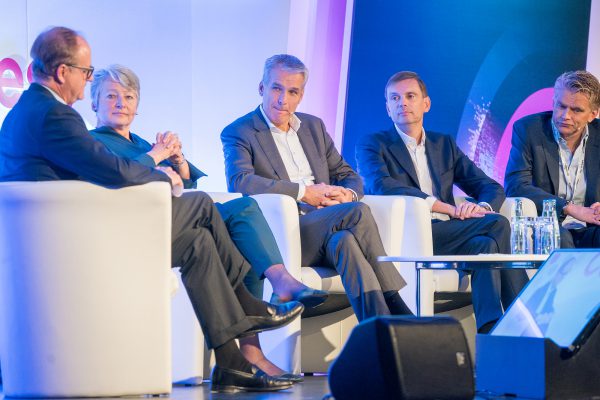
{"points": [[578, 172]]}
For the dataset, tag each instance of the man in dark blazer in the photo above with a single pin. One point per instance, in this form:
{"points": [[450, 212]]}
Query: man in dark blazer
{"points": [[273, 149], [554, 155], [43, 138], [405, 160]]}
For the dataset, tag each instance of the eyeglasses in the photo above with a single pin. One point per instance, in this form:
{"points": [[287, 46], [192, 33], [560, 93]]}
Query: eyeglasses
{"points": [[89, 71]]}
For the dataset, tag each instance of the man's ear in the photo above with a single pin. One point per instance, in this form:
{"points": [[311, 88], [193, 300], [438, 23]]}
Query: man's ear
{"points": [[427, 101], [261, 88], [94, 108], [59, 74]]}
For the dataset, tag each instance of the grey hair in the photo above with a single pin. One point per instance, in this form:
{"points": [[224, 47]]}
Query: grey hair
{"points": [[580, 82], [288, 63], [52, 48], [118, 73]]}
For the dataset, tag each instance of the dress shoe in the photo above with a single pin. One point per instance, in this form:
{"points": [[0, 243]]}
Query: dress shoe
{"points": [[309, 297], [232, 381], [292, 378], [279, 315]]}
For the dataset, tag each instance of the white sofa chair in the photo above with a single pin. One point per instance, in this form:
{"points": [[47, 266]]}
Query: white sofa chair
{"points": [[191, 358], [85, 289], [322, 337], [192, 361], [307, 345], [415, 238], [405, 227]]}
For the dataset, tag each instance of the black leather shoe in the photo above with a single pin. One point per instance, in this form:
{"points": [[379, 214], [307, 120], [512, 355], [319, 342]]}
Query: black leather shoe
{"points": [[293, 378], [279, 315], [309, 297], [232, 381]]}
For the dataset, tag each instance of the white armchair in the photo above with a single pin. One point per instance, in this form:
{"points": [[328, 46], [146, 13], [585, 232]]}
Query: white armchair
{"points": [[413, 237], [84, 289], [322, 337], [405, 227], [191, 359]]}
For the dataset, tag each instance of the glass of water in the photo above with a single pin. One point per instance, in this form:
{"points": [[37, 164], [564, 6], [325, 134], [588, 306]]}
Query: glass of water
{"points": [[544, 235]]}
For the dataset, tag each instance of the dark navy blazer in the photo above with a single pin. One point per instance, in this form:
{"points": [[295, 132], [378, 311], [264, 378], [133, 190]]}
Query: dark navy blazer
{"points": [[386, 167], [532, 169], [43, 139]]}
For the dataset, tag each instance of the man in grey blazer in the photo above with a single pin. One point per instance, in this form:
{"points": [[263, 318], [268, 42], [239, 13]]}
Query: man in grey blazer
{"points": [[273, 149], [554, 156]]}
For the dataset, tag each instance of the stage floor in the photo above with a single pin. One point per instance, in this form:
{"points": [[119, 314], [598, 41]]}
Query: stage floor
{"points": [[313, 387]]}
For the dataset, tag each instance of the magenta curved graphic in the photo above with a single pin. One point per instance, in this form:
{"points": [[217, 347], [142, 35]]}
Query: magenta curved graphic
{"points": [[536, 102]]}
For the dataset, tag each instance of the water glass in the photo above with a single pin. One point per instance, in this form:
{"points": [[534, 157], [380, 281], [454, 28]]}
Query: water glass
{"points": [[544, 235], [521, 241]]}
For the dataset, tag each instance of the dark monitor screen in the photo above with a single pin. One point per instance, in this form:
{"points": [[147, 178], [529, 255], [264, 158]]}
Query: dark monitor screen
{"points": [[559, 302]]}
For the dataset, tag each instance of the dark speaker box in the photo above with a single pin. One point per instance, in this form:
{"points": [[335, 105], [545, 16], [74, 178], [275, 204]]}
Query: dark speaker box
{"points": [[404, 358]]}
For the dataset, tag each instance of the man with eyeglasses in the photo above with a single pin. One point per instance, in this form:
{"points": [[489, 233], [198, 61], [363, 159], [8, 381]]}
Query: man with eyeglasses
{"points": [[44, 139]]}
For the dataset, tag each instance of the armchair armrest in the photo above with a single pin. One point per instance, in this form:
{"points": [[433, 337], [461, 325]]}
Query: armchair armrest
{"points": [[281, 213], [84, 289], [404, 224], [223, 197], [282, 346], [529, 208], [389, 214]]}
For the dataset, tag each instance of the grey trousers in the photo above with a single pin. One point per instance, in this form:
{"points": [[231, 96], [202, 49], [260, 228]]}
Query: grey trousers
{"points": [[211, 266], [345, 237]]}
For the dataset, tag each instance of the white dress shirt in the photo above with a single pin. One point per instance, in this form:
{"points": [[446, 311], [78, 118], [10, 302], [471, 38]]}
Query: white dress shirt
{"points": [[419, 159], [571, 187], [291, 152], [56, 96]]}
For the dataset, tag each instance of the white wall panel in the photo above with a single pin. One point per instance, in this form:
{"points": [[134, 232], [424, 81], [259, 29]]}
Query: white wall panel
{"points": [[14, 50], [593, 60], [231, 40], [152, 37]]}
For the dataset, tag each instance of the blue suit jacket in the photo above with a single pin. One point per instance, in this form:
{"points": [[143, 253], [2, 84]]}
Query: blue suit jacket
{"points": [[253, 164], [386, 168], [42, 139], [533, 166]]}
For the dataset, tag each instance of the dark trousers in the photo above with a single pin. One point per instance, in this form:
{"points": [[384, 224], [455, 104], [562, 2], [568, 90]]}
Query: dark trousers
{"points": [[345, 237], [211, 266], [491, 289], [584, 238], [252, 236]]}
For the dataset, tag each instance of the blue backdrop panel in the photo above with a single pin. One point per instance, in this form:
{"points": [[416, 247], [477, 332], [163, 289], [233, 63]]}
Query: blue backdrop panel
{"points": [[485, 63]]}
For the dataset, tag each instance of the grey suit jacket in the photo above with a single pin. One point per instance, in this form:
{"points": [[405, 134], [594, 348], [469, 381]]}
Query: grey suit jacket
{"points": [[533, 166], [253, 164]]}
